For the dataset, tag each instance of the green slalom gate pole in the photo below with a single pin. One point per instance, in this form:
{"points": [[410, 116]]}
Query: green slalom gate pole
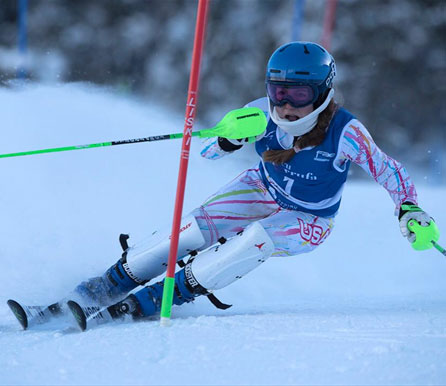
{"points": [[191, 106], [239, 123]]}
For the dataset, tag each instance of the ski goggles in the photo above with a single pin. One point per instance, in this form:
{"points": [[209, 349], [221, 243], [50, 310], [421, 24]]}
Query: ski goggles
{"points": [[296, 95]]}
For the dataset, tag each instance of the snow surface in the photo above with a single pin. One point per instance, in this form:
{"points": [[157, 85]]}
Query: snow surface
{"points": [[363, 309]]}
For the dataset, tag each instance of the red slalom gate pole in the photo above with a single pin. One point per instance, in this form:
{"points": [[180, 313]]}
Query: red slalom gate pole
{"points": [[191, 105], [329, 19]]}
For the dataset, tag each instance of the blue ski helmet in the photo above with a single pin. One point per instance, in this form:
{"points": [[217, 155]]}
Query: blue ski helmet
{"points": [[299, 73]]}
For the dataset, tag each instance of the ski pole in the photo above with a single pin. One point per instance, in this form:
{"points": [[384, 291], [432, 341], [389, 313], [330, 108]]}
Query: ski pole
{"points": [[438, 247], [240, 123]]}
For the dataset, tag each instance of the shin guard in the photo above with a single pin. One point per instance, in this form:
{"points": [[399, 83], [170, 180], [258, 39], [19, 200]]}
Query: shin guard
{"points": [[212, 269], [138, 265], [221, 265], [148, 259]]}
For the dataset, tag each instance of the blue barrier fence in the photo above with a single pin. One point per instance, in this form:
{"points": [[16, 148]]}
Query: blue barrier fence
{"points": [[22, 38]]}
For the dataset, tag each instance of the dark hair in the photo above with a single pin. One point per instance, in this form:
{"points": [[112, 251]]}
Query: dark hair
{"points": [[313, 138]]}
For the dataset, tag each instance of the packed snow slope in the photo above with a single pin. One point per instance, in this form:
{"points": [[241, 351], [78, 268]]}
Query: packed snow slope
{"points": [[362, 309]]}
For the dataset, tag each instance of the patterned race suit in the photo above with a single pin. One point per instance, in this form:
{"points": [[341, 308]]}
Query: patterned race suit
{"points": [[296, 202]]}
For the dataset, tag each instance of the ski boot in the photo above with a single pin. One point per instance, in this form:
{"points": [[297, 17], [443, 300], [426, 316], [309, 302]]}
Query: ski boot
{"points": [[147, 301], [104, 290]]}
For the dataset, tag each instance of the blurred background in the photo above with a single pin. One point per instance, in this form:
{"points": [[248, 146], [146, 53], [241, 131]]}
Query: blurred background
{"points": [[390, 54]]}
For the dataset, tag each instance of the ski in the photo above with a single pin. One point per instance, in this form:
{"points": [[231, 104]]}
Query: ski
{"points": [[29, 316], [90, 316]]}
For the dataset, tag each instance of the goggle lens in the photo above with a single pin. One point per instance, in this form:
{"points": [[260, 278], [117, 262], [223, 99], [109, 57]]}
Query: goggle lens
{"points": [[296, 96]]}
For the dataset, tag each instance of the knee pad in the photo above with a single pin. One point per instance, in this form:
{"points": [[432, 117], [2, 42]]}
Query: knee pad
{"points": [[220, 265], [148, 259]]}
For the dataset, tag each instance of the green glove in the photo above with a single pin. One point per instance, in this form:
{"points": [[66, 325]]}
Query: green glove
{"points": [[419, 228]]}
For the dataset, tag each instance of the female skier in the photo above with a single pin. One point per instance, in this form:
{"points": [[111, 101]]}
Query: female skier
{"points": [[283, 206]]}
